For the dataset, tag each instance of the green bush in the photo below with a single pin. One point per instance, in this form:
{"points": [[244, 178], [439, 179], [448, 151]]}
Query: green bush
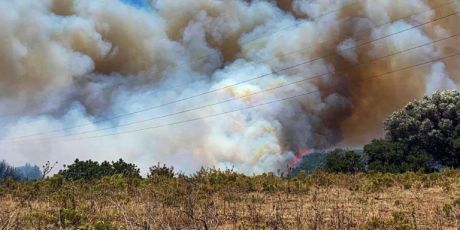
{"points": [[344, 161], [70, 217], [310, 163], [161, 171], [375, 223], [395, 157], [91, 170], [102, 225]]}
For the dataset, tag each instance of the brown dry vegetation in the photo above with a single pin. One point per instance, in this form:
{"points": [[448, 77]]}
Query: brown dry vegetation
{"points": [[214, 199]]}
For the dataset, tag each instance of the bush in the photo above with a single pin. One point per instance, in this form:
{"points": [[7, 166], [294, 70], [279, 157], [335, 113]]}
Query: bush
{"points": [[126, 169], [395, 157], [375, 223], [103, 226], [344, 161], [310, 163], [161, 171], [90, 170]]}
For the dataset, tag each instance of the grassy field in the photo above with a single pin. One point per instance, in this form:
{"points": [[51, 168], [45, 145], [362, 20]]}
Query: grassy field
{"points": [[214, 199]]}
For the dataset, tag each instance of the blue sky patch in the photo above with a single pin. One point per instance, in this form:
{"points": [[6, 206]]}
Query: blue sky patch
{"points": [[137, 3]]}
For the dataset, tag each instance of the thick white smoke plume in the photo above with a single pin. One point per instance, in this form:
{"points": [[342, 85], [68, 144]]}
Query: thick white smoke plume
{"points": [[70, 66]]}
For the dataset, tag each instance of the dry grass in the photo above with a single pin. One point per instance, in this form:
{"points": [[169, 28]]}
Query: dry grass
{"points": [[226, 200]]}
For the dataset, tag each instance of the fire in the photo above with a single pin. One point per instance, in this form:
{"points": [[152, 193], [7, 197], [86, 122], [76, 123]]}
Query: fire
{"points": [[298, 157]]}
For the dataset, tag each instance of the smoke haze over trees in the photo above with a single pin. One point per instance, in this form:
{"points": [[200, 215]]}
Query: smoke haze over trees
{"points": [[25, 173]]}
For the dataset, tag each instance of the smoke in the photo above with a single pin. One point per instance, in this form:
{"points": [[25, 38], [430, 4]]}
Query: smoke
{"points": [[80, 63]]}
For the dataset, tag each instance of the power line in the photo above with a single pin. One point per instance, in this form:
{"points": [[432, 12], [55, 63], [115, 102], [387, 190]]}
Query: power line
{"points": [[253, 106], [246, 108], [238, 83], [252, 94], [270, 102]]}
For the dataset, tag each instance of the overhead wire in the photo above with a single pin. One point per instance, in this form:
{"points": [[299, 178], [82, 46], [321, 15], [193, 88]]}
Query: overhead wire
{"points": [[254, 93], [241, 82], [253, 106], [66, 138]]}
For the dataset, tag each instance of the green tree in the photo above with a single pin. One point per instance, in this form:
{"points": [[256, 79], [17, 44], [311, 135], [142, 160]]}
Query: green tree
{"points": [[126, 169], [396, 157], [430, 126], [90, 170], [7, 171], [344, 161], [81, 170], [161, 171], [310, 163]]}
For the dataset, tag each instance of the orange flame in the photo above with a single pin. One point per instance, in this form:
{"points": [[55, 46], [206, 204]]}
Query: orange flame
{"points": [[298, 157]]}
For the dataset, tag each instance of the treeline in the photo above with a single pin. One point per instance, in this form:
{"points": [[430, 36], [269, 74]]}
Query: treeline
{"points": [[89, 170], [422, 137], [92, 170], [26, 173]]}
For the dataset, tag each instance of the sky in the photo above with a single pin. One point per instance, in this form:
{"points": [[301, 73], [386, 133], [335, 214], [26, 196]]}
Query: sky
{"points": [[137, 3]]}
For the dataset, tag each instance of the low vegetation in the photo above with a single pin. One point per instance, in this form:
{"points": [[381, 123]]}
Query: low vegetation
{"points": [[212, 199]]}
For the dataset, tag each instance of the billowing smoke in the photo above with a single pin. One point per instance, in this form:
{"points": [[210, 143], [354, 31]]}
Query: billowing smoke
{"points": [[71, 71]]}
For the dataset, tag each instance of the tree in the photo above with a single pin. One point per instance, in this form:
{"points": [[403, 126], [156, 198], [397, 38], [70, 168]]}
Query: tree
{"points": [[344, 161], [22, 173], [310, 163], [90, 170], [430, 126], [161, 171], [29, 172], [7, 171], [396, 157], [82, 170], [126, 169]]}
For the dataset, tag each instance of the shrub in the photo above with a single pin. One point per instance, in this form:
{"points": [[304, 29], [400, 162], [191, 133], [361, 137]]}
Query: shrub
{"points": [[126, 169], [102, 225], [90, 170], [344, 161], [400, 221], [395, 157], [161, 171], [310, 163], [374, 223], [70, 217]]}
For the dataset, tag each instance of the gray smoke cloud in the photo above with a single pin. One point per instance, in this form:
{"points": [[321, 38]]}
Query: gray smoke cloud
{"points": [[67, 63]]}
